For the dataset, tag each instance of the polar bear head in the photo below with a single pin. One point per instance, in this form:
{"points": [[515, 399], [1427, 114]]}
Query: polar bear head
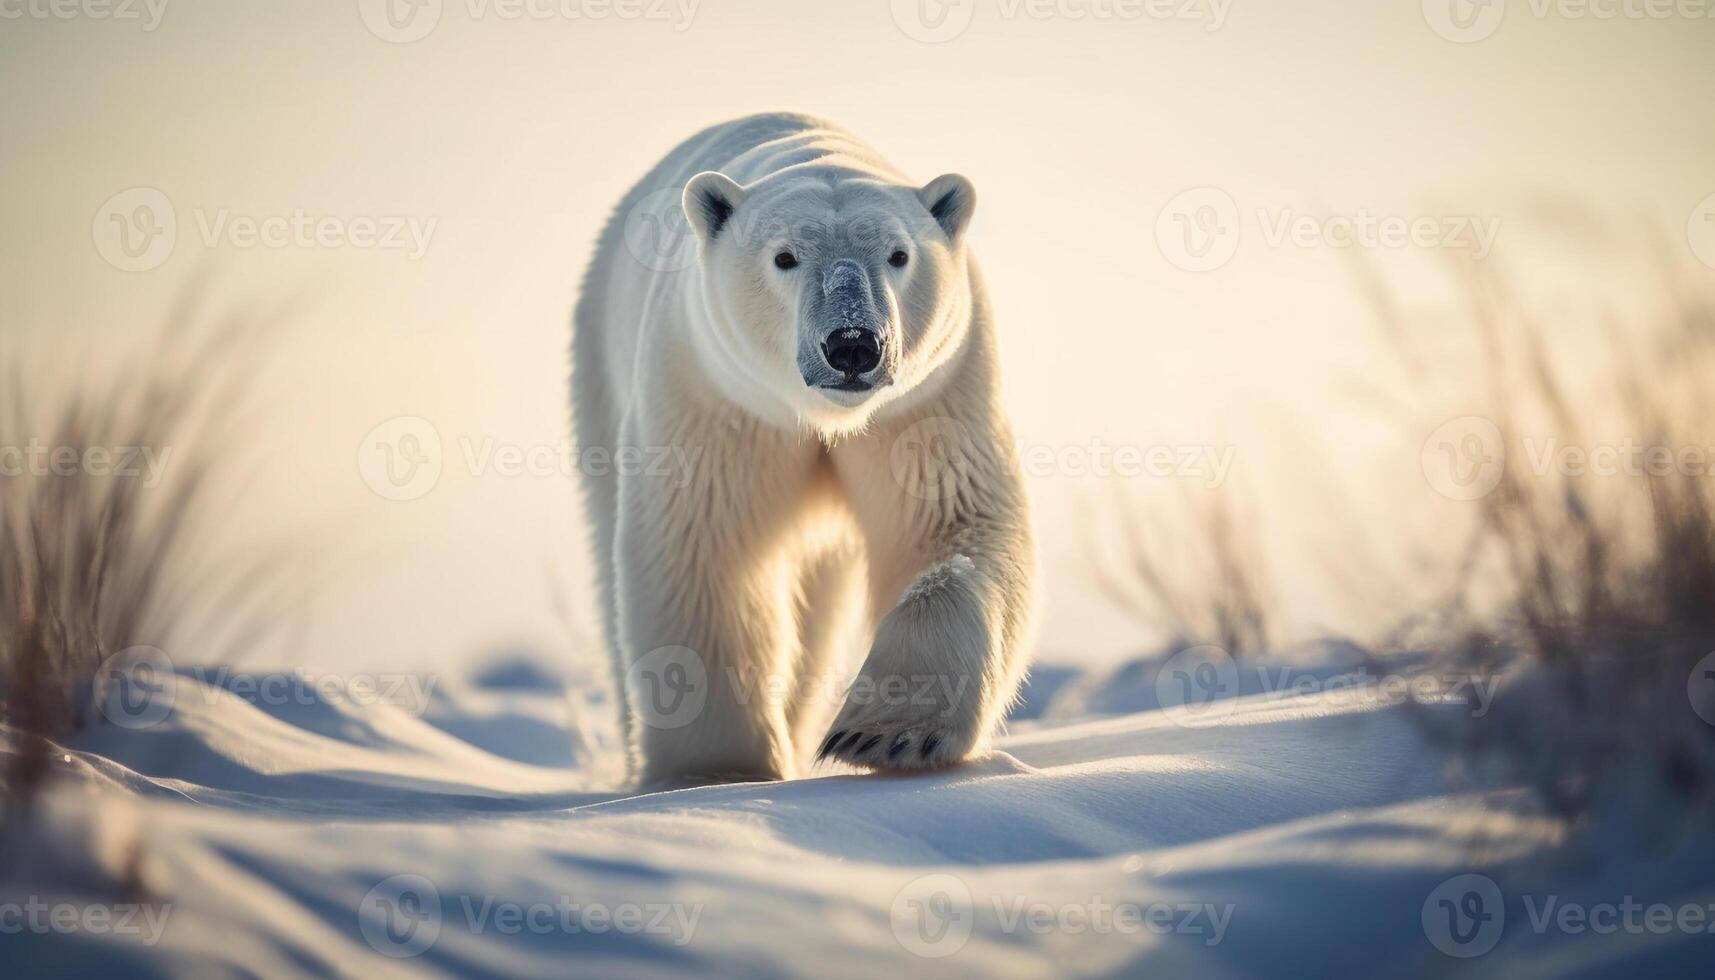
{"points": [[834, 292]]}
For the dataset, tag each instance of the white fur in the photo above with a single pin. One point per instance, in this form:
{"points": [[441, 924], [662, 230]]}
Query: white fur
{"points": [[784, 506]]}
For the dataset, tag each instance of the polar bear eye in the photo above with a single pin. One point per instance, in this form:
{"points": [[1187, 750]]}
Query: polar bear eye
{"points": [[898, 259], [785, 260]]}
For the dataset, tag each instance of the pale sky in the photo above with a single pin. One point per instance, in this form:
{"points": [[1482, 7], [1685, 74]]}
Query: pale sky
{"points": [[460, 179]]}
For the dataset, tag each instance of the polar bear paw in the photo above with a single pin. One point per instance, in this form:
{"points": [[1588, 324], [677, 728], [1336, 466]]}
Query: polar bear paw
{"points": [[898, 736]]}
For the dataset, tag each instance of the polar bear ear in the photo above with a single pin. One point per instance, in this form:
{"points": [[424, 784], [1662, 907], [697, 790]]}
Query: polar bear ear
{"points": [[951, 201], [710, 199]]}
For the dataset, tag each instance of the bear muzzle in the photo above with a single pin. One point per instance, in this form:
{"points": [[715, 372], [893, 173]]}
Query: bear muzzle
{"points": [[847, 343]]}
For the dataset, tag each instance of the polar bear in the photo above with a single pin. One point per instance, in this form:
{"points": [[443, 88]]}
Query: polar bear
{"points": [[803, 448]]}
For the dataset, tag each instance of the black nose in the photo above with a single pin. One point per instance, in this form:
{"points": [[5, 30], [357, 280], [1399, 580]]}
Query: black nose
{"points": [[852, 350]]}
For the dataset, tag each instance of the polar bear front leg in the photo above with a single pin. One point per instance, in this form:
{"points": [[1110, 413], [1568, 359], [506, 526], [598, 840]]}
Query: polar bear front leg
{"points": [[946, 522], [706, 621]]}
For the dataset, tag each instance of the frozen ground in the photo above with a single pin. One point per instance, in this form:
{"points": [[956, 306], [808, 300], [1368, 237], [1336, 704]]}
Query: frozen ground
{"points": [[1298, 827]]}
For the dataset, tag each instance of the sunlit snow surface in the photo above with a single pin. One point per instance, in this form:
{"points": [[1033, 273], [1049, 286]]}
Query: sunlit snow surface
{"points": [[1299, 828]]}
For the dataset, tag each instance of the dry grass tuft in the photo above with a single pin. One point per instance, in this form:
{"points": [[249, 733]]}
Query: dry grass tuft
{"points": [[1593, 593], [95, 560], [1202, 580]]}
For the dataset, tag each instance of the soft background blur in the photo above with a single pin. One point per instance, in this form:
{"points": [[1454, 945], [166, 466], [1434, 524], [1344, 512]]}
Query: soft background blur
{"points": [[509, 139]]}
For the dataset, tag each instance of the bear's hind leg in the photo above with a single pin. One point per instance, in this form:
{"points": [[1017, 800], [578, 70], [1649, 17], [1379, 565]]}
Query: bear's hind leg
{"points": [[832, 624]]}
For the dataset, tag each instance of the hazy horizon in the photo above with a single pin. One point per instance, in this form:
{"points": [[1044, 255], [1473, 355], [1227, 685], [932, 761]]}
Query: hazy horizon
{"points": [[427, 207]]}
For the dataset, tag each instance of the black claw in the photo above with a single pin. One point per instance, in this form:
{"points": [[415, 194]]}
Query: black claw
{"points": [[899, 745], [828, 746], [868, 744], [929, 745], [849, 742]]}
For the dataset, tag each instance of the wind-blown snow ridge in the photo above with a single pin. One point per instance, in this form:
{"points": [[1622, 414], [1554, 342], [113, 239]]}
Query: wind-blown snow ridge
{"points": [[1285, 831]]}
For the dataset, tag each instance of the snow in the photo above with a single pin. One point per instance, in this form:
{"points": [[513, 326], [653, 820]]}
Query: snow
{"points": [[1300, 827]]}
